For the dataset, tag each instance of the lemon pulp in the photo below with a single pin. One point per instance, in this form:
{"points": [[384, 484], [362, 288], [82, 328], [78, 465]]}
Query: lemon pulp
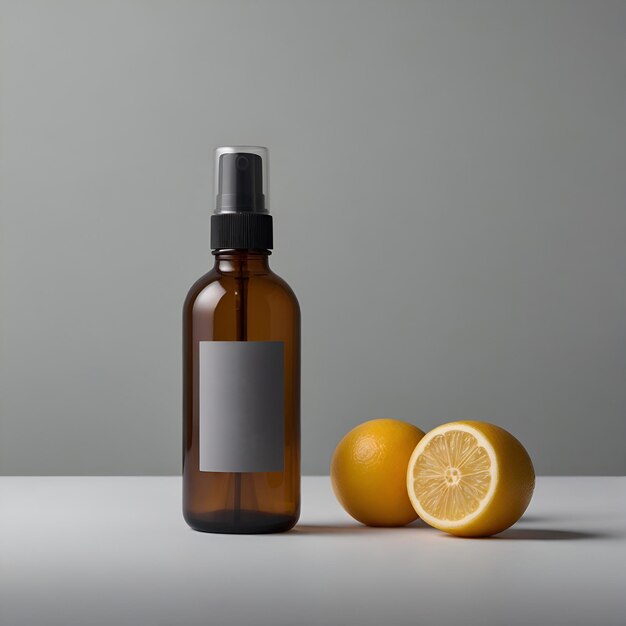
{"points": [[452, 475]]}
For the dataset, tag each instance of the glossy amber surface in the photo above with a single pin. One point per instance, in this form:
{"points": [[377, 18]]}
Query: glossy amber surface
{"points": [[241, 299]]}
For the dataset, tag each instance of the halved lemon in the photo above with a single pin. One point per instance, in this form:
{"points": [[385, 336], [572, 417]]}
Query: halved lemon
{"points": [[470, 479]]}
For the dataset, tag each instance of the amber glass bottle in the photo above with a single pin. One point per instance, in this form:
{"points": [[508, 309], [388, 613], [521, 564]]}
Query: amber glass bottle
{"points": [[241, 368]]}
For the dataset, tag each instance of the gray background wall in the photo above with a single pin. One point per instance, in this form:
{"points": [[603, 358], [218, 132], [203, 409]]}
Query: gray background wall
{"points": [[448, 184]]}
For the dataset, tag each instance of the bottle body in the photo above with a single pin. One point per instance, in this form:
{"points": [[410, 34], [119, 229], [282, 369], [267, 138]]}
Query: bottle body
{"points": [[256, 487]]}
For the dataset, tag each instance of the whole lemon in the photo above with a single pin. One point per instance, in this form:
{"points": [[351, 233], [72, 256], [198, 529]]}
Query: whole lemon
{"points": [[368, 472]]}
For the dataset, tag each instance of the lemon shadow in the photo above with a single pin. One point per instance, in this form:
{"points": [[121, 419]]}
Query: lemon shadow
{"points": [[350, 528], [538, 534], [511, 534], [541, 519]]}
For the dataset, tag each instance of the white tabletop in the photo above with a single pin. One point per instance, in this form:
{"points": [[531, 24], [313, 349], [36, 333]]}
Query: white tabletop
{"points": [[99, 550]]}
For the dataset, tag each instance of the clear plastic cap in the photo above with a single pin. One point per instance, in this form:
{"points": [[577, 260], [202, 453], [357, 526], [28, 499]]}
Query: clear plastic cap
{"points": [[241, 179]]}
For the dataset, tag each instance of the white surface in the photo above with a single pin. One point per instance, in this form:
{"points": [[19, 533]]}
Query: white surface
{"points": [[99, 550]]}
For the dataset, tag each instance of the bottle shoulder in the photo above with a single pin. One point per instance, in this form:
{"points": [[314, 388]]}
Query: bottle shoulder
{"points": [[199, 286], [283, 286], [217, 286]]}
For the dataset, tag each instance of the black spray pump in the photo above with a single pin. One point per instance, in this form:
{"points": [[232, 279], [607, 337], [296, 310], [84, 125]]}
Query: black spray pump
{"points": [[241, 219]]}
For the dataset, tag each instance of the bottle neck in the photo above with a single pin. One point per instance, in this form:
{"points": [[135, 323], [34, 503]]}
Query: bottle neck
{"points": [[241, 261]]}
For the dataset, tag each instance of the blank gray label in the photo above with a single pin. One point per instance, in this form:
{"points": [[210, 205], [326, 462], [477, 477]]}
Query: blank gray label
{"points": [[242, 415]]}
